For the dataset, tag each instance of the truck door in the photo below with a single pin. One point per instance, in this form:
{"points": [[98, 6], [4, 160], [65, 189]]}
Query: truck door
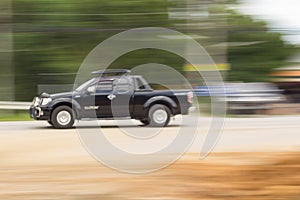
{"points": [[95, 100], [121, 103], [103, 98]]}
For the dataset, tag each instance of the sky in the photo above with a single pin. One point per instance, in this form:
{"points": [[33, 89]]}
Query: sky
{"points": [[279, 14]]}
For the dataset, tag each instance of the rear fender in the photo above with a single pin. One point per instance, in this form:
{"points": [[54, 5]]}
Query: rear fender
{"points": [[161, 100]]}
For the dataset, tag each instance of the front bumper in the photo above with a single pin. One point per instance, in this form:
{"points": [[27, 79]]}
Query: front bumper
{"points": [[39, 113], [185, 108]]}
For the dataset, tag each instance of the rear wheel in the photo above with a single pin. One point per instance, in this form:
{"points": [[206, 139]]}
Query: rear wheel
{"points": [[159, 115], [62, 117]]}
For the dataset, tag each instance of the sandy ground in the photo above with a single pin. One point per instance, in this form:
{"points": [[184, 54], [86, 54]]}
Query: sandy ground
{"points": [[42, 163]]}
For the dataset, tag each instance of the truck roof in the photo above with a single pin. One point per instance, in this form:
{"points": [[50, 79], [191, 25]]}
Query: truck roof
{"points": [[111, 72], [111, 78]]}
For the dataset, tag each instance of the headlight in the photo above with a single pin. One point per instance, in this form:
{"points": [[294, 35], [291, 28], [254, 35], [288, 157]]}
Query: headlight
{"points": [[45, 101]]}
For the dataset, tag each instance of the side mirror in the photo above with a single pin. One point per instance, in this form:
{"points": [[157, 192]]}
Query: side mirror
{"points": [[91, 89]]}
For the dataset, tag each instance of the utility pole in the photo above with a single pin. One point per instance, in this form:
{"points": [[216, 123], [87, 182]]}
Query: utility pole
{"points": [[6, 53], [204, 21]]}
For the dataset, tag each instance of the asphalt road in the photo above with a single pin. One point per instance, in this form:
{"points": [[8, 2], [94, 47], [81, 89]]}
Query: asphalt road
{"points": [[276, 133]]}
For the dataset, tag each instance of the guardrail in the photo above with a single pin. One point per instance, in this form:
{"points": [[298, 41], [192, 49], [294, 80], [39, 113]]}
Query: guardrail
{"points": [[14, 105]]}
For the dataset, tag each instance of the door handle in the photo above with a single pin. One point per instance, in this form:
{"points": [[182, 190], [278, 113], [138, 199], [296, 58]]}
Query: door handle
{"points": [[111, 96]]}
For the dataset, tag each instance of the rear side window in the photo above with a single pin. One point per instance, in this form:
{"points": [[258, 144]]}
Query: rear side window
{"points": [[140, 85], [104, 87]]}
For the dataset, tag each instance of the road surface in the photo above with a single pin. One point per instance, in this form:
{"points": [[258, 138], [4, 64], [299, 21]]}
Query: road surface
{"points": [[238, 134], [255, 158]]}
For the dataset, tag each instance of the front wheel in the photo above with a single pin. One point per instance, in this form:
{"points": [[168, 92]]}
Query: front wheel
{"points": [[159, 115], [62, 117]]}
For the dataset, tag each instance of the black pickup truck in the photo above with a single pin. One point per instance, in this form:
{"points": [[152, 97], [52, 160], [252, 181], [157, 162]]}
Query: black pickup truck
{"points": [[112, 94]]}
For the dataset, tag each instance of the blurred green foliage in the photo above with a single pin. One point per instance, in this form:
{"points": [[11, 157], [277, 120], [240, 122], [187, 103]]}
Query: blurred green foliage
{"points": [[55, 37], [255, 50]]}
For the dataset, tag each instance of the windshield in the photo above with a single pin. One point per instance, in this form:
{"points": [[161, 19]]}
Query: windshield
{"points": [[84, 85]]}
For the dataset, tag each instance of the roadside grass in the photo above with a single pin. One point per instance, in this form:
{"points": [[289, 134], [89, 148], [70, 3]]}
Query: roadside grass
{"points": [[8, 115]]}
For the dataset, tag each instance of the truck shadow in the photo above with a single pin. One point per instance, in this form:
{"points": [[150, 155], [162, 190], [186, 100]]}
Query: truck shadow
{"points": [[125, 126], [47, 127]]}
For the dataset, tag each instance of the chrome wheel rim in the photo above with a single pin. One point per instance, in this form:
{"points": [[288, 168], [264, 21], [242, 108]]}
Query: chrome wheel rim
{"points": [[63, 117], [160, 116]]}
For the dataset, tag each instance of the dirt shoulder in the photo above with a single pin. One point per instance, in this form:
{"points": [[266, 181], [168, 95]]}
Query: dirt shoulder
{"points": [[220, 176]]}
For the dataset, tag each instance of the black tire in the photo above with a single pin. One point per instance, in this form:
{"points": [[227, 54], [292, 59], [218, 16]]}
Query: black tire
{"points": [[145, 121], [50, 123], [62, 117], [159, 115]]}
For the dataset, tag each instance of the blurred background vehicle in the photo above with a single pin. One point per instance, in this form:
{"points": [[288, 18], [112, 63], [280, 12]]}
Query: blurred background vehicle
{"points": [[253, 98], [245, 98]]}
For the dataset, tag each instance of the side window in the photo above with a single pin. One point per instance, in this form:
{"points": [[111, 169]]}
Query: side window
{"points": [[104, 87], [140, 85], [123, 86]]}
